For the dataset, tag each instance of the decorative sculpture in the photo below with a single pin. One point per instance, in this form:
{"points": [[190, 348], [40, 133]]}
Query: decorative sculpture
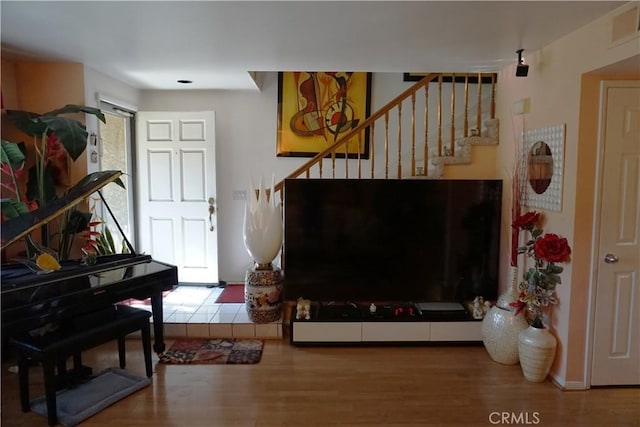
{"points": [[263, 232], [303, 309]]}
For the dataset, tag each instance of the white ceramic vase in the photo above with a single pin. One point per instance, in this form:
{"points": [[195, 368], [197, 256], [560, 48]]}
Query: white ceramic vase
{"points": [[263, 230], [500, 330], [511, 294], [500, 327], [262, 233], [536, 350]]}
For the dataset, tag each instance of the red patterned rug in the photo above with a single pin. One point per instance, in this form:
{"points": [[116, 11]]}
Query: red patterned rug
{"points": [[220, 351], [231, 294]]}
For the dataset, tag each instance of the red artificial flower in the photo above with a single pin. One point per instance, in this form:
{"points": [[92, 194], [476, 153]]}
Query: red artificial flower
{"points": [[552, 248], [519, 305], [32, 205], [527, 220], [55, 151]]}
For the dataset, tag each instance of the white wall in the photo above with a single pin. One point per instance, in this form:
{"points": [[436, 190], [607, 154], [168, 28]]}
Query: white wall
{"points": [[99, 84], [246, 125], [554, 87]]}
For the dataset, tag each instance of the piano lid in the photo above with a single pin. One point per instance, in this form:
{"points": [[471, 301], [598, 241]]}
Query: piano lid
{"points": [[18, 227]]}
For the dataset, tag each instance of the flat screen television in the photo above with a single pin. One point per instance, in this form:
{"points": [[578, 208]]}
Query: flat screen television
{"points": [[411, 240]]}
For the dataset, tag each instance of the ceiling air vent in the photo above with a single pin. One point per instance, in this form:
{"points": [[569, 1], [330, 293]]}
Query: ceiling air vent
{"points": [[625, 24]]}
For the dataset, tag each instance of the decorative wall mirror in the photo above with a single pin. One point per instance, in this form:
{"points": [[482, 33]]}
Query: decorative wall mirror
{"points": [[544, 158]]}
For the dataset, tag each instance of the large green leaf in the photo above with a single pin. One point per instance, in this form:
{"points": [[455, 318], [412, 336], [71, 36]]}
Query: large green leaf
{"points": [[27, 122], [71, 133], [11, 154], [70, 109], [11, 209]]}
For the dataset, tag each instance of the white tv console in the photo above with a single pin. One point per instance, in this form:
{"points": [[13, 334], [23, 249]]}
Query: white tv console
{"points": [[427, 327]]}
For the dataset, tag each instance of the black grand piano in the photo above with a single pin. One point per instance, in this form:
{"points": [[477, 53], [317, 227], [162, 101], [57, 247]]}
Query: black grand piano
{"points": [[32, 301]]}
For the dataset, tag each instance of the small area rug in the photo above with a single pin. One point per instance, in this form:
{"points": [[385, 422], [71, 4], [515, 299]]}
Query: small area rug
{"points": [[221, 351], [231, 294], [104, 389]]}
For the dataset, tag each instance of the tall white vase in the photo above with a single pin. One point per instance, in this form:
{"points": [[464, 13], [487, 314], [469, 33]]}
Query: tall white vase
{"points": [[263, 229], [263, 232], [536, 349], [501, 327]]}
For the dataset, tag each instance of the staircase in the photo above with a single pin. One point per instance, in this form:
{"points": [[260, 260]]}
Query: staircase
{"points": [[432, 124]]}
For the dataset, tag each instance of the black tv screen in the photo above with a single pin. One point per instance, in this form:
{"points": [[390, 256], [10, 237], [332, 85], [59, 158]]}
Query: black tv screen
{"points": [[412, 240]]}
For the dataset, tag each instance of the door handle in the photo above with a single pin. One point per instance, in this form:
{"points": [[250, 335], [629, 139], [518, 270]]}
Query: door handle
{"points": [[212, 210], [610, 259]]}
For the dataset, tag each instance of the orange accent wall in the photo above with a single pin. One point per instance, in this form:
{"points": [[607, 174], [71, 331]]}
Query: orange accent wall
{"points": [[40, 87]]}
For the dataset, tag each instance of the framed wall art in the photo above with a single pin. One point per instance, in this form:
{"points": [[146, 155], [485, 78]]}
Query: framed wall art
{"points": [[544, 151], [317, 108]]}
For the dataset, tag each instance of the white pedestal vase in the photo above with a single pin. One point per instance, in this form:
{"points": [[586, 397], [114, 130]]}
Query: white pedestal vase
{"points": [[262, 234], [500, 327], [536, 350]]}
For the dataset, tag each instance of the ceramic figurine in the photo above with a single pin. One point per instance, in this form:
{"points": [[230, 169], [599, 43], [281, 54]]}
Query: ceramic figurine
{"points": [[303, 309]]}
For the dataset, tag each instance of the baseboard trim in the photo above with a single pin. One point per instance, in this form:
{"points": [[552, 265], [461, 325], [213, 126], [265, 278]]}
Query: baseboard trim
{"points": [[568, 385]]}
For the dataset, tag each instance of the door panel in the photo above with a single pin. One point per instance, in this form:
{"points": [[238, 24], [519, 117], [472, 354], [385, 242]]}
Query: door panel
{"points": [[616, 341], [176, 172]]}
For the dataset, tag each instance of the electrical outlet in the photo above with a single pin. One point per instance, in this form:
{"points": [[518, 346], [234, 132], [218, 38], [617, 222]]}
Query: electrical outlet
{"points": [[239, 195]]}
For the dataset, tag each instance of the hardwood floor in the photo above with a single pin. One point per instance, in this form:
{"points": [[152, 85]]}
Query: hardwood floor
{"points": [[366, 386]]}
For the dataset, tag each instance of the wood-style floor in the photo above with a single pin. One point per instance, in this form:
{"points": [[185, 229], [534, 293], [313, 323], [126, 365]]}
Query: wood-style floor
{"points": [[364, 386]]}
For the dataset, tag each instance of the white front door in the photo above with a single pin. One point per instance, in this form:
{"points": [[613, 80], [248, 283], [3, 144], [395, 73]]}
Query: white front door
{"points": [[616, 340], [177, 192]]}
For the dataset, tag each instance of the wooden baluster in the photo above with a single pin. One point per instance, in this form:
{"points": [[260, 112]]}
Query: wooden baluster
{"points": [[346, 159], [426, 130], [399, 141], [386, 145], [333, 163], [372, 148], [453, 113], [493, 95], [413, 134], [440, 115], [360, 148], [466, 105], [479, 103], [320, 164]]}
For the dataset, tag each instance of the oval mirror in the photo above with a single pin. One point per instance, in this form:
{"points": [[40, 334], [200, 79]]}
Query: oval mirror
{"points": [[540, 167]]}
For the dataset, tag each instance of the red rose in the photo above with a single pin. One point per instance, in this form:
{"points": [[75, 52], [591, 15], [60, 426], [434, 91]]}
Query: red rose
{"points": [[552, 248], [527, 221]]}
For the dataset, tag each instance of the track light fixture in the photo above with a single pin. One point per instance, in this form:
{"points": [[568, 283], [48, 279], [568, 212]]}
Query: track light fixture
{"points": [[522, 69]]}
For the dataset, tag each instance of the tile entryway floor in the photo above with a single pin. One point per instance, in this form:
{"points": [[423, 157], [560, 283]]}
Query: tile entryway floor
{"points": [[191, 311]]}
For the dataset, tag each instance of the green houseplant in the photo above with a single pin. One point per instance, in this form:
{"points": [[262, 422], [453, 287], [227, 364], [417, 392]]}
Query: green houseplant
{"points": [[54, 138]]}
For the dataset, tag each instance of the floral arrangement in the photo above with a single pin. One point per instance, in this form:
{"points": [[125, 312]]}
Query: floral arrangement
{"points": [[537, 290]]}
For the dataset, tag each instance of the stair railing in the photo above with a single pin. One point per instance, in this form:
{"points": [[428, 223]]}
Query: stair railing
{"points": [[418, 154]]}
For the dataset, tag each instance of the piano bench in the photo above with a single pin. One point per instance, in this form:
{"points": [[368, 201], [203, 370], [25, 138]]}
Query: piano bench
{"points": [[53, 349]]}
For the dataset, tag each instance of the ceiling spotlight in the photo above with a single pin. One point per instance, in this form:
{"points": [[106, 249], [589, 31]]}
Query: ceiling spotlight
{"points": [[522, 69]]}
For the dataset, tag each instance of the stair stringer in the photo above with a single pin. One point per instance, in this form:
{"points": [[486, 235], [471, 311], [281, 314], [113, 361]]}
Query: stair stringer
{"points": [[462, 155]]}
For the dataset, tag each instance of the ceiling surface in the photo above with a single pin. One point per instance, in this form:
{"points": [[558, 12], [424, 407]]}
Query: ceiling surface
{"points": [[152, 44]]}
